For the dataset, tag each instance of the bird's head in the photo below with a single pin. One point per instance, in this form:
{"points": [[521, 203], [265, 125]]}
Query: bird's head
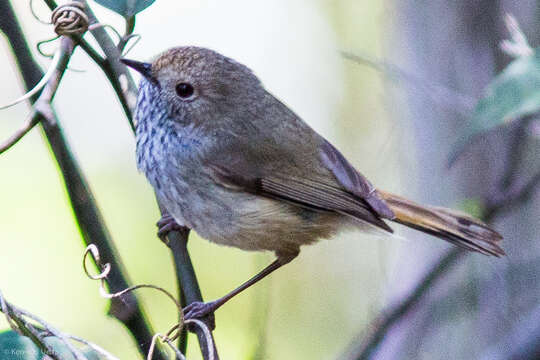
{"points": [[193, 84]]}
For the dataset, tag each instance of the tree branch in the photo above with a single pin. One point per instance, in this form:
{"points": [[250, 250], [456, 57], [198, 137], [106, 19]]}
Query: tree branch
{"points": [[86, 213], [42, 110], [189, 289], [32, 121], [126, 91]]}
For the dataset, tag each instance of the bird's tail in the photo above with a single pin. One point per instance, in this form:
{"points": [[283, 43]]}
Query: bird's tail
{"points": [[452, 226]]}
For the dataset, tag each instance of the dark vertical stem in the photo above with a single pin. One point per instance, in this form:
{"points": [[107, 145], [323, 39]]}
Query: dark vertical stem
{"points": [[183, 339], [188, 285], [187, 280], [87, 215]]}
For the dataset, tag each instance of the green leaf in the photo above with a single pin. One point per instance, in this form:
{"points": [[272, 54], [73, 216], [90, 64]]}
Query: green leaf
{"points": [[514, 93], [126, 8], [17, 347]]}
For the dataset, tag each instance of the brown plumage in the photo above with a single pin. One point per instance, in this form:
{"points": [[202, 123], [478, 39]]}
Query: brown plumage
{"points": [[457, 228], [230, 161]]}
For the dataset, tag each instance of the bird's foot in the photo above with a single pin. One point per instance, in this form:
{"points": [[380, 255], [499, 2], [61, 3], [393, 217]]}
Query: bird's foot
{"points": [[165, 225], [202, 311]]}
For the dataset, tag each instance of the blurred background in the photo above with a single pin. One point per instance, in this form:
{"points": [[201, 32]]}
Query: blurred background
{"points": [[395, 115]]}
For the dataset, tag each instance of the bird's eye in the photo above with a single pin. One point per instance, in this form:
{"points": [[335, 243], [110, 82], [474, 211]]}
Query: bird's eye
{"points": [[184, 90]]}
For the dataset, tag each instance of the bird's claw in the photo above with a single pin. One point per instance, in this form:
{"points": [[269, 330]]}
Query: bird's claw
{"points": [[201, 311], [165, 225]]}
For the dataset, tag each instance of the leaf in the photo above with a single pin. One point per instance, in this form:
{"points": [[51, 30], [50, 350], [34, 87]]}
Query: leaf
{"points": [[17, 347], [514, 93], [126, 8]]}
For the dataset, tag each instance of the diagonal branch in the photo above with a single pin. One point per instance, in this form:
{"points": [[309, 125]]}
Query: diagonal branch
{"points": [[32, 121], [42, 110], [116, 72], [513, 192]]}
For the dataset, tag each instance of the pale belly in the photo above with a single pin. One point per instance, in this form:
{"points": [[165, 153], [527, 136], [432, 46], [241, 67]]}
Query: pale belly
{"points": [[243, 220]]}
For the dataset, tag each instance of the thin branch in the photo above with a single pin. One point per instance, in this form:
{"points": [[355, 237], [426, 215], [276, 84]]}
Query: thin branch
{"points": [[54, 332], [42, 107], [39, 86], [178, 329], [130, 26], [32, 121], [86, 213], [114, 70], [89, 50], [126, 91], [188, 285]]}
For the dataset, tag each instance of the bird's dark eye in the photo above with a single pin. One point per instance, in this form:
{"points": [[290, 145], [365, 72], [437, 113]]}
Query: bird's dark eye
{"points": [[184, 90]]}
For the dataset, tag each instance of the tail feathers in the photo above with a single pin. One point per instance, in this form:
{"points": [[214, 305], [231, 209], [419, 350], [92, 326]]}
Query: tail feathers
{"points": [[452, 226]]}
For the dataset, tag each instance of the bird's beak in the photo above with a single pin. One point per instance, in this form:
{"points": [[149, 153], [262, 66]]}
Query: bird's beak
{"points": [[145, 69]]}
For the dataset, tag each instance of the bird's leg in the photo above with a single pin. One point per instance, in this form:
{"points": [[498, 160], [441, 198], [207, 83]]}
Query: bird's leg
{"points": [[197, 310], [165, 225]]}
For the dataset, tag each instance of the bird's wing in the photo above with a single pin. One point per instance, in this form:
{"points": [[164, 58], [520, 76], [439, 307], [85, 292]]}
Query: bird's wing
{"points": [[304, 192], [283, 158], [353, 181]]}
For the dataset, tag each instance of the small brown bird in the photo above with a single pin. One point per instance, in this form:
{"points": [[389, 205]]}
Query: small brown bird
{"points": [[230, 161]]}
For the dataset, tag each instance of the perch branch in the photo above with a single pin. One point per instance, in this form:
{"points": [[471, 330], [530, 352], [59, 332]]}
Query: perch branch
{"points": [[86, 213], [126, 91]]}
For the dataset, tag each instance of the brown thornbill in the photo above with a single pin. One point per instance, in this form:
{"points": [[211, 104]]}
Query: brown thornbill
{"points": [[230, 161]]}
